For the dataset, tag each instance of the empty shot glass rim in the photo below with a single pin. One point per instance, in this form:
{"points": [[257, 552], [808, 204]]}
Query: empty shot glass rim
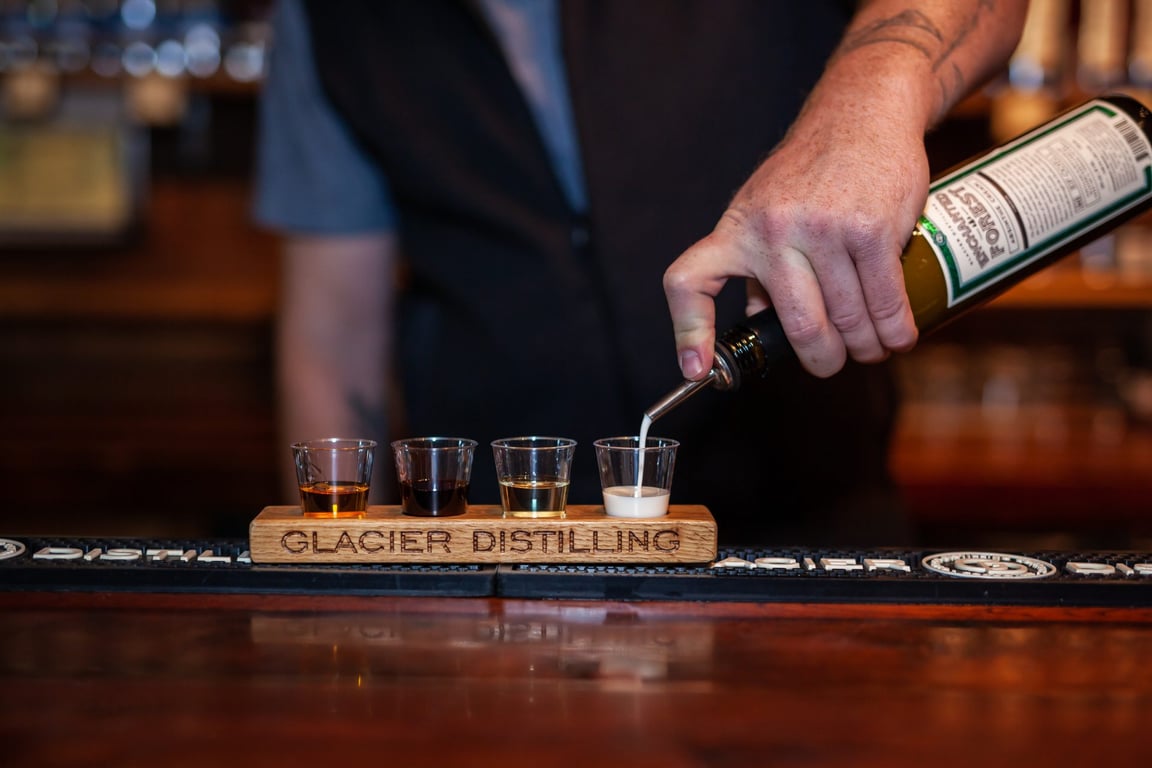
{"points": [[334, 444], [433, 443], [533, 442], [632, 443]]}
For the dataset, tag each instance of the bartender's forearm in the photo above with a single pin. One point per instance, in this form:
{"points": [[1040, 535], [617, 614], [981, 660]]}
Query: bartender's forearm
{"points": [[926, 55], [334, 337], [818, 228]]}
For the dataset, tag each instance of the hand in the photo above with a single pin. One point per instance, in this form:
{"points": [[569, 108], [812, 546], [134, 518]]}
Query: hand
{"points": [[817, 230]]}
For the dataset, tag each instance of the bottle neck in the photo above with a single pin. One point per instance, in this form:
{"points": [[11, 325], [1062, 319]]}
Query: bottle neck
{"points": [[743, 351], [740, 352]]}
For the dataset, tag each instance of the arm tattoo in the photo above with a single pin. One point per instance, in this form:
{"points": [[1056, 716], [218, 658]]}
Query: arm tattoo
{"points": [[907, 28], [913, 28]]}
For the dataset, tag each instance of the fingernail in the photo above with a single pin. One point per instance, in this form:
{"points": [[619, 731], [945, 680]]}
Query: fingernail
{"points": [[690, 364]]}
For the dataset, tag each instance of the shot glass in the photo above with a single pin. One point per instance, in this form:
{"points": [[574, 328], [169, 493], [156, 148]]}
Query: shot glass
{"points": [[333, 475], [434, 474], [636, 481], [533, 474]]}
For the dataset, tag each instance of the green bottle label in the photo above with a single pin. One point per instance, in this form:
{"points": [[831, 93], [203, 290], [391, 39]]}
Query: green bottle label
{"points": [[998, 214]]}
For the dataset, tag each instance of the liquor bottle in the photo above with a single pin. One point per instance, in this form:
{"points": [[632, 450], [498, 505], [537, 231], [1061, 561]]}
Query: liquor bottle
{"points": [[989, 223]]}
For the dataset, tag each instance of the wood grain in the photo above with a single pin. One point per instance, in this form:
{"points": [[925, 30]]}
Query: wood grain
{"points": [[134, 680], [281, 534]]}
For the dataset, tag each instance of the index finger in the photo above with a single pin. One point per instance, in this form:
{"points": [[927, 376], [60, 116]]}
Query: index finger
{"points": [[691, 284]]}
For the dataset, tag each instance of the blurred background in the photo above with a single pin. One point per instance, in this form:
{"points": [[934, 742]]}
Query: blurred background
{"points": [[137, 298]]}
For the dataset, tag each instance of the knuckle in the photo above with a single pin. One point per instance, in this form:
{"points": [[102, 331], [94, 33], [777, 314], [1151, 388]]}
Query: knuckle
{"points": [[760, 225], [894, 329], [887, 309], [850, 321], [807, 334], [864, 235], [677, 280]]}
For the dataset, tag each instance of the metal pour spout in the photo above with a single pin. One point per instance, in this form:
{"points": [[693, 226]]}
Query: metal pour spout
{"points": [[744, 350], [679, 395]]}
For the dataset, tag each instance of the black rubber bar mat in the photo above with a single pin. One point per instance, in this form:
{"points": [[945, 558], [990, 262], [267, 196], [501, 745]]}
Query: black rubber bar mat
{"points": [[171, 565], [1115, 579], [1119, 579]]}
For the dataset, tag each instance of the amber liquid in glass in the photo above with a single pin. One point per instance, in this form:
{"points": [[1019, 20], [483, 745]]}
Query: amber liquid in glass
{"points": [[334, 499]]}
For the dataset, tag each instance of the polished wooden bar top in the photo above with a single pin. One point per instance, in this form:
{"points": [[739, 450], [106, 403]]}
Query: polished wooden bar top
{"points": [[250, 680]]}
